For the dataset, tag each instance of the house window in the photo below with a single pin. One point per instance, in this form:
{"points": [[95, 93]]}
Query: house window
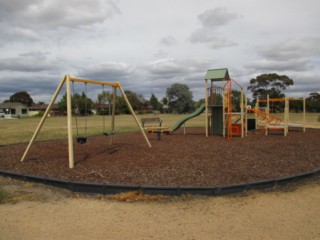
{"points": [[13, 111], [24, 111]]}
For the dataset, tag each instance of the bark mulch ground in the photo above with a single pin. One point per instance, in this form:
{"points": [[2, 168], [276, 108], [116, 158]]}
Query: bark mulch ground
{"points": [[175, 160]]}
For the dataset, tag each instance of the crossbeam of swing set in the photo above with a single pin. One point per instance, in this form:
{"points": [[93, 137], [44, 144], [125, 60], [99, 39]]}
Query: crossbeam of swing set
{"points": [[66, 80], [116, 84]]}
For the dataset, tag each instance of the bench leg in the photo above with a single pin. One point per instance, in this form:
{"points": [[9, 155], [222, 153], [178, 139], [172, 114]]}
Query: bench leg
{"points": [[159, 135]]}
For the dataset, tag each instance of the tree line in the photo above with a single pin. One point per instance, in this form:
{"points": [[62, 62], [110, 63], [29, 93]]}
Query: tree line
{"points": [[178, 98]]}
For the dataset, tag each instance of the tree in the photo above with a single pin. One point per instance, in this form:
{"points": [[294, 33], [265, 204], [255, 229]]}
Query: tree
{"points": [[22, 97], [62, 104], [270, 83], [164, 101], [104, 97], [155, 104], [81, 104], [313, 102], [137, 102], [180, 98], [236, 100]]}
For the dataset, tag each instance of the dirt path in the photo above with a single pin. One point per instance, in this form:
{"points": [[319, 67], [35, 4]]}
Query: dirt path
{"points": [[47, 213]]}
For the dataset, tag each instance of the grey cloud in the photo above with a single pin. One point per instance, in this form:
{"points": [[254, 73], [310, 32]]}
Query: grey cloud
{"points": [[20, 34], [306, 81], [38, 55], [168, 41], [165, 67], [161, 54], [107, 71], [211, 38], [295, 55], [36, 85], [162, 73], [218, 43], [12, 8], [212, 21], [289, 65], [169, 68], [28, 62], [55, 14], [203, 36], [217, 17], [296, 48]]}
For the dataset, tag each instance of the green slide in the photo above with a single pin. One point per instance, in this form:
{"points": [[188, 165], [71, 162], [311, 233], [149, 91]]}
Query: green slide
{"points": [[186, 118]]}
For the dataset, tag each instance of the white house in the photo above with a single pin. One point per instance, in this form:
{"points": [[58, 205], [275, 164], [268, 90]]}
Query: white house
{"points": [[14, 109]]}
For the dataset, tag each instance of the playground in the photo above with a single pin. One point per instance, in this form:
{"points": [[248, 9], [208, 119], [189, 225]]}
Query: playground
{"points": [[224, 151]]}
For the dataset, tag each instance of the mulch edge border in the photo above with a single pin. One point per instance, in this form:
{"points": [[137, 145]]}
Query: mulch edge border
{"points": [[106, 189]]}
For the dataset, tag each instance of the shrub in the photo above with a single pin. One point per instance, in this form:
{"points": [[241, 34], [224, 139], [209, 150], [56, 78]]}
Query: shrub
{"points": [[4, 196]]}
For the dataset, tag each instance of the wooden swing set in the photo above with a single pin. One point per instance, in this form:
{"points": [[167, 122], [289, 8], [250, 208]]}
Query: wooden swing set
{"points": [[67, 80]]}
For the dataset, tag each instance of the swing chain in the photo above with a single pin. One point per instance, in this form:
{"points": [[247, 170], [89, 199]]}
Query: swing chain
{"points": [[80, 139]]}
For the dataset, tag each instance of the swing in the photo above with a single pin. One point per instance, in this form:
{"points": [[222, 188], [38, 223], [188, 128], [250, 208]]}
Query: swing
{"points": [[81, 139], [104, 132]]}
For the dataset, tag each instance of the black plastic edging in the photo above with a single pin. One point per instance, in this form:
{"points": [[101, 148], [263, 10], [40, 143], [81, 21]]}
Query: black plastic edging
{"points": [[92, 188]]}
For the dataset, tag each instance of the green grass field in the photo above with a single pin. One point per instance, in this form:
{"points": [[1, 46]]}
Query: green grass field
{"points": [[21, 130]]}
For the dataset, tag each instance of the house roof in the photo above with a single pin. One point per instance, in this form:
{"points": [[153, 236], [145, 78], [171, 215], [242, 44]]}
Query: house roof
{"points": [[216, 75], [12, 105]]}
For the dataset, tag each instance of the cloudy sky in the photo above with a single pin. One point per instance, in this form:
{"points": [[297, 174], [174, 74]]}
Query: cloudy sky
{"points": [[147, 45]]}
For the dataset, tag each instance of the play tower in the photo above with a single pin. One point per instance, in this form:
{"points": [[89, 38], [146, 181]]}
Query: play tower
{"points": [[224, 105]]}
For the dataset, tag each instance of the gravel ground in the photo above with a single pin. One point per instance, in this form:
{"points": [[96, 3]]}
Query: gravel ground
{"points": [[175, 160]]}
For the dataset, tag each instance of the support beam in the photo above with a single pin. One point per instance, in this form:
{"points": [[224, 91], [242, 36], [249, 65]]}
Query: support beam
{"points": [[55, 95], [134, 115], [256, 114], [69, 117], [304, 114], [242, 114], [267, 112], [207, 115], [286, 116], [246, 115]]}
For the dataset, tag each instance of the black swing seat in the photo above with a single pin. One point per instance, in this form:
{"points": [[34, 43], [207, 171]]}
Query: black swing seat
{"points": [[108, 134], [82, 140]]}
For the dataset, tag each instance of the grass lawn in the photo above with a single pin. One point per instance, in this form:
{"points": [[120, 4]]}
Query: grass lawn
{"points": [[21, 130]]}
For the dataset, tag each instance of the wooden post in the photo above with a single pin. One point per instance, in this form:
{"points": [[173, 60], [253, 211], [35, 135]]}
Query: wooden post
{"points": [[206, 115], [304, 114], [69, 118], [286, 116], [267, 112], [133, 114], [224, 99], [246, 115], [55, 95], [256, 114], [242, 113]]}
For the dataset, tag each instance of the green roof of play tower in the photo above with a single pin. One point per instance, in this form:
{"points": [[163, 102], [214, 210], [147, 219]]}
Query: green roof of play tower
{"points": [[217, 74]]}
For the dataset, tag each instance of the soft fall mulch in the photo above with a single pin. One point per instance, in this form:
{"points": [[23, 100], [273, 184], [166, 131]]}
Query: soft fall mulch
{"points": [[175, 160]]}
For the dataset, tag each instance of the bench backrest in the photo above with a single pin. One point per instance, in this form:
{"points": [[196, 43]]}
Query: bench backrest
{"points": [[152, 121]]}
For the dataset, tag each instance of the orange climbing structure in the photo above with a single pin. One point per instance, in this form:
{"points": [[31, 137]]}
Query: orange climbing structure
{"points": [[225, 114]]}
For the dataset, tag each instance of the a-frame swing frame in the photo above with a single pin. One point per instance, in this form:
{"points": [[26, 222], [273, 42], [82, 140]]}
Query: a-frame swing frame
{"points": [[66, 79]]}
